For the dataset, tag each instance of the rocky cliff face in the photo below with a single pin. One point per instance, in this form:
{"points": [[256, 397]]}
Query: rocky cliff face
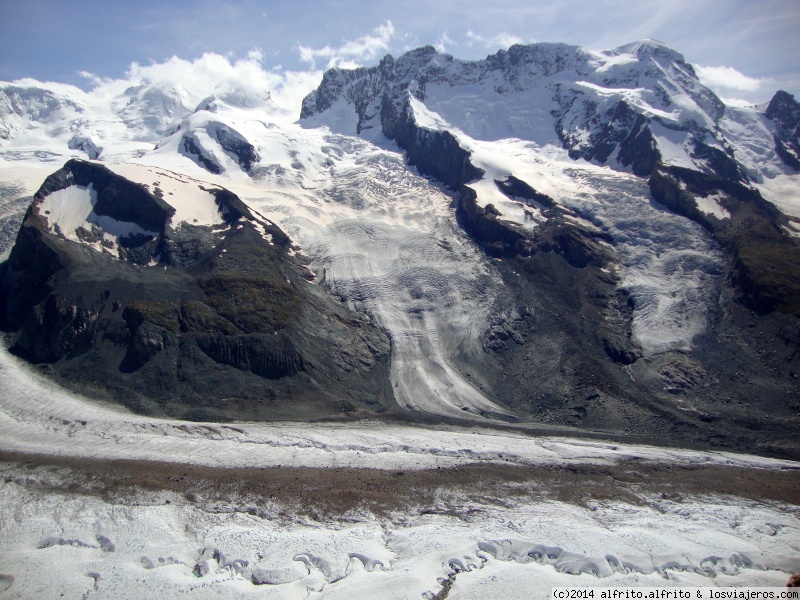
{"points": [[197, 321], [784, 111]]}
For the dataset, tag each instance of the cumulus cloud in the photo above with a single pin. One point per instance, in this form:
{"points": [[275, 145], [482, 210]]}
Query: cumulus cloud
{"points": [[727, 78], [739, 102], [444, 42], [246, 80], [352, 53], [501, 40]]}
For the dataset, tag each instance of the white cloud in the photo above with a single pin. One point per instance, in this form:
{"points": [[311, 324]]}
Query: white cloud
{"points": [[727, 78], [739, 102], [501, 40], [352, 53], [91, 78], [60, 88], [246, 79], [443, 42]]}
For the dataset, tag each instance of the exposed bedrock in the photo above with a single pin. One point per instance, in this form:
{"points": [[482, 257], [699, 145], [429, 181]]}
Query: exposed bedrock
{"points": [[784, 111], [192, 148], [263, 355], [434, 153], [232, 143], [516, 188], [622, 129], [237, 146], [223, 325]]}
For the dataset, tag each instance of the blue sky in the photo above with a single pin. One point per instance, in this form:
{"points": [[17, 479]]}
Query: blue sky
{"points": [[748, 49]]}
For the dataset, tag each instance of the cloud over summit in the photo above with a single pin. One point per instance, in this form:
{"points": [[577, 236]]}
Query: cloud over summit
{"points": [[727, 78], [351, 53]]}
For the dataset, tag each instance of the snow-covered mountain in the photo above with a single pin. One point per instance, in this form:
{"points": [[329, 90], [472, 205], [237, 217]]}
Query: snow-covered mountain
{"points": [[551, 234], [602, 106], [549, 148], [632, 108], [548, 244]]}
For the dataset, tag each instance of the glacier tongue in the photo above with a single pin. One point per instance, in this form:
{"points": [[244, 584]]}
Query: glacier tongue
{"points": [[427, 287], [670, 265], [385, 240]]}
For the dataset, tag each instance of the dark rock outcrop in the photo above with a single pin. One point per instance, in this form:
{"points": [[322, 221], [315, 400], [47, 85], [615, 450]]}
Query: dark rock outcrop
{"points": [[519, 190], [237, 146], [224, 326], [191, 148], [233, 143], [784, 111], [434, 153], [272, 357], [496, 236], [620, 128]]}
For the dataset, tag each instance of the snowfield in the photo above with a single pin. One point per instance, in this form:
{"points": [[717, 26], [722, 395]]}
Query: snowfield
{"points": [[193, 203]]}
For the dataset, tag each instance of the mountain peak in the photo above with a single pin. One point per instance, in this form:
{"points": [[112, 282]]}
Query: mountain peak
{"points": [[648, 48], [784, 108]]}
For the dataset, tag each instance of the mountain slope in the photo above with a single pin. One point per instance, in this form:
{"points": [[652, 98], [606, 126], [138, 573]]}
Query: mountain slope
{"points": [[611, 272], [551, 235]]}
